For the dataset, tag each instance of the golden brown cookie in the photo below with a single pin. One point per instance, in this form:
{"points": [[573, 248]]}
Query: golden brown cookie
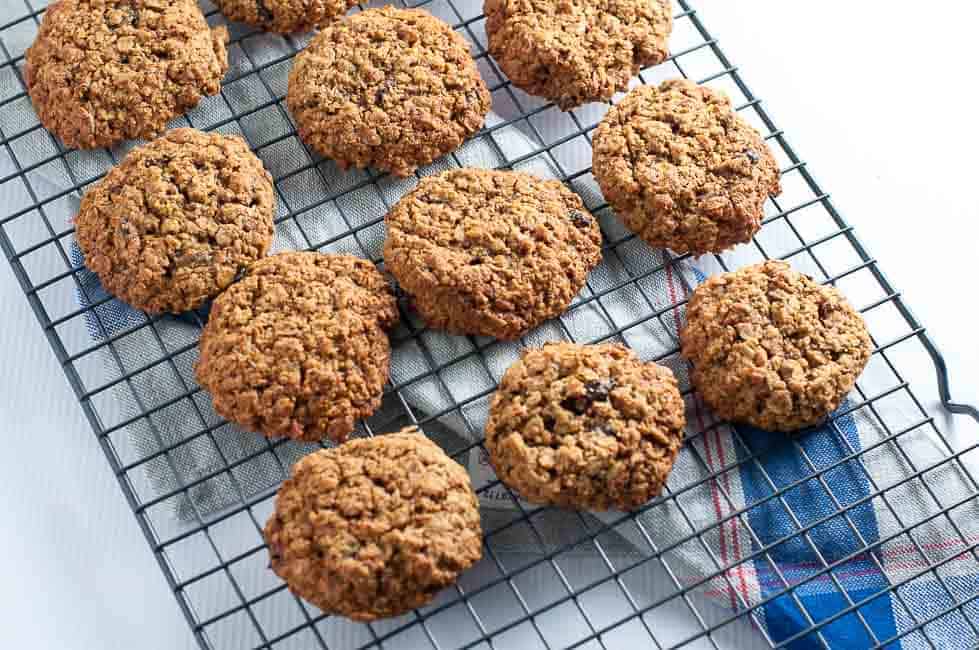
{"points": [[375, 527], [682, 170], [173, 224], [285, 16], [773, 348], [585, 426], [577, 51], [492, 253], [389, 88], [101, 71], [297, 347]]}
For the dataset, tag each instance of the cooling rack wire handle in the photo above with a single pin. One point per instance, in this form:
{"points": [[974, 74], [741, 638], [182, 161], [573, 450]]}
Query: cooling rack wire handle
{"points": [[944, 389]]}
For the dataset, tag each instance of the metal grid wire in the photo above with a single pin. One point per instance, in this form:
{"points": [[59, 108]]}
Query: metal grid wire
{"points": [[549, 578]]}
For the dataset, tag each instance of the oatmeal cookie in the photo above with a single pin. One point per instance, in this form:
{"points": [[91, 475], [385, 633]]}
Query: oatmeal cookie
{"points": [[585, 426], [492, 253], [375, 527], [390, 88], [772, 348], [576, 51], [297, 347], [102, 71], [682, 170], [285, 16], [175, 222]]}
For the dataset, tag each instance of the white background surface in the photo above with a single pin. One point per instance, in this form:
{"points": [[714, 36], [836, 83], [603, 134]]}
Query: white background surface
{"points": [[880, 103]]}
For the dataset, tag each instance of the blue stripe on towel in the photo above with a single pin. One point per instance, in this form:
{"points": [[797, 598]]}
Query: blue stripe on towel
{"points": [[795, 559]]}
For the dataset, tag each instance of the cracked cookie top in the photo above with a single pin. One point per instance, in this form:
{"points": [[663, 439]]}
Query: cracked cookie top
{"points": [[175, 222], [285, 16], [682, 170], [771, 347], [577, 51], [492, 253], [297, 347], [389, 88], [375, 527], [101, 71], [585, 426]]}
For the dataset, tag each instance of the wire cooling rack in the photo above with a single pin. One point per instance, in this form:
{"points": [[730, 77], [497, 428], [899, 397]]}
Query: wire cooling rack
{"points": [[201, 490]]}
